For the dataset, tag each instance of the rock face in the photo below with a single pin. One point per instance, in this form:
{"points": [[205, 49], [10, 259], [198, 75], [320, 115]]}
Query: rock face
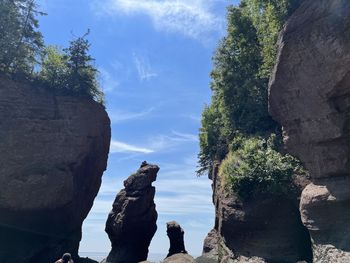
{"points": [[53, 154], [176, 238], [132, 222], [263, 229], [310, 97]]}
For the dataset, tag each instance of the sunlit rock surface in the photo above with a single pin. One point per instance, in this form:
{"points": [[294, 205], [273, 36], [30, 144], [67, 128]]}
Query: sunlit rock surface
{"points": [[310, 97], [53, 151], [131, 224]]}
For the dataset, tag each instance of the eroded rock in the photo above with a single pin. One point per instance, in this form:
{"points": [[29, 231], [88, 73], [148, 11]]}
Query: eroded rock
{"points": [[179, 258], [132, 222], [310, 96], [53, 153], [265, 228], [176, 238]]}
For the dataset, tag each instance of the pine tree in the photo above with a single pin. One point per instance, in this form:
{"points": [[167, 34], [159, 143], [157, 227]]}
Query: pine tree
{"points": [[82, 79], [20, 40]]}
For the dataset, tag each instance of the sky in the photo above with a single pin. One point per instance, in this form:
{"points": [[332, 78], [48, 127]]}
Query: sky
{"points": [[154, 59]]}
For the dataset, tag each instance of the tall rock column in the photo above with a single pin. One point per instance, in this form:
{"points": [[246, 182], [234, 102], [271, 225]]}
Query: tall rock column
{"points": [[53, 151], [131, 224], [310, 96]]}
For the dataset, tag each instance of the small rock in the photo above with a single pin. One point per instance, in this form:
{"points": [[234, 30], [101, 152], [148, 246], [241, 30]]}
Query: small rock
{"points": [[179, 258], [176, 238]]}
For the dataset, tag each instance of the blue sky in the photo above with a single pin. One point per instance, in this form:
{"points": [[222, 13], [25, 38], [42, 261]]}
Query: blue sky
{"points": [[154, 59]]}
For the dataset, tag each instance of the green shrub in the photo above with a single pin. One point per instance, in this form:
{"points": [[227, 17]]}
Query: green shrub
{"points": [[254, 167], [54, 70], [71, 71]]}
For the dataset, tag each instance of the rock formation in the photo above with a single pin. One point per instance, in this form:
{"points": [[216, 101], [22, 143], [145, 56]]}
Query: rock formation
{"points": [[176, 238], [263, 229], [53, 153], [179, 258], [310, 97], [132, 222]]}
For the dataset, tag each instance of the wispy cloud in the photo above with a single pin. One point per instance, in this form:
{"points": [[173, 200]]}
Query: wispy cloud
{"points": [[121, 147], [183, 194], [185, 136], [107, 80], [193, 19], [155, 143], [143, 67], [120, 116], [180, 195], [168, 142]]}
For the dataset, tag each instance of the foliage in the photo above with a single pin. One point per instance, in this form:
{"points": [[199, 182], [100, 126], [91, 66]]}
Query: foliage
{"points": [[213, 144], [54, 69], [71, 71], [82, 77], [235, 82], [268, 17], [242, 65], [20, 41], [255, 167]]}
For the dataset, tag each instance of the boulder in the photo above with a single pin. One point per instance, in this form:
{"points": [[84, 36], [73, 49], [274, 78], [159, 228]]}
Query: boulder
{"points": [[132, 222], [310, 97], [179, 258], [53, 152]]}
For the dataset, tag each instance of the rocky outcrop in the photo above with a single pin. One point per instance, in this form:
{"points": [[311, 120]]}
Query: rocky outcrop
{"points": [[211, 245], [179, 258], [262, 229], [310, 97], [53, 151], [132, 222], [176, 238]]}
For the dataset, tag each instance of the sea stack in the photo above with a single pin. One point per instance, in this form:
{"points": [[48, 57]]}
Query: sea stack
{"points": [[131, 224], [176, 238], [53, 152]]}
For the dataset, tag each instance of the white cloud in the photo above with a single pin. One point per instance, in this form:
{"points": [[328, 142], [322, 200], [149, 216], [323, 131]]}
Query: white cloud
{"points": [[108, 82], [193, 18], [121, 147], [143, 67], [120, 116], [186, 136], [180, 195], [168, 142]]}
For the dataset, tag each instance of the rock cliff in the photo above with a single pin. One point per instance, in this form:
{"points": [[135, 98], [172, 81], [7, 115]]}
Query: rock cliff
{"points": [[263, 229], [310, 97], [131, 224], [53, 151]]}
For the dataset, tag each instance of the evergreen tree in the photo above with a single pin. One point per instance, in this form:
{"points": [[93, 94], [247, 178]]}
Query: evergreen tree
{"points": [[82, 78], [242, 66], [20, 40]]}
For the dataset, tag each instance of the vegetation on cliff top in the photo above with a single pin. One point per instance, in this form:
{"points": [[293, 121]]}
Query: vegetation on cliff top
{"points": [[24, 55], [239, 109], [255, 166]]}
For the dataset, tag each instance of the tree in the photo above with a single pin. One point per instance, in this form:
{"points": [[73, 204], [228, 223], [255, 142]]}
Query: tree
{"points": [[54, 70], [242, 66], [82, 78], [235, 79], [212, 140], [20, 41]]}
